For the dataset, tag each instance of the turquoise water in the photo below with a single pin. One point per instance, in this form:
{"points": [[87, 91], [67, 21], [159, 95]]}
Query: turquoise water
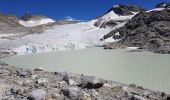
{"points": [[142, 68]]}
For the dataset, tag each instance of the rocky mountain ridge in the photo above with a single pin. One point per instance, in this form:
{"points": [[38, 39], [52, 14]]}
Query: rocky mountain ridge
{"points": [[146, 30], [27, 24], [163, 5], [149, 29], [116, 15], [28, 16], [124, 10]]}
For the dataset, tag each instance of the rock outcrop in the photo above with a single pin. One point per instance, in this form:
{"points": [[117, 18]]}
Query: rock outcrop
{"points": [[125, 9], [9, 19], [28, 16], [116, 15], [146, 30], [163, 5]]}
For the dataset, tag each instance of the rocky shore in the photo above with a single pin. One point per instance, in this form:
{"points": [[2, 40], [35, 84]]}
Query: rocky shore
{"points": [[24, 84]]}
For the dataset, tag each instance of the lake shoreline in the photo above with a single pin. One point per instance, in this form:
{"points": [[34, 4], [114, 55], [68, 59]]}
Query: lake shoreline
{"points": [[19, 83], [23, 83]]}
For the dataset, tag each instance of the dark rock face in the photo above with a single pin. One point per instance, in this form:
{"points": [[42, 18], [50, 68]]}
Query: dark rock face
{"points": [[163, 5], [110, 23], [125, 9], [168, 98], [122, 10], [147, 30], [28, 16]]}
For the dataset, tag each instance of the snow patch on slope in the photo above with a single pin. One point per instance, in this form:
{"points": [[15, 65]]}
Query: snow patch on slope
{"points": [[156, 9], [6, 35], [113, 16], [33, 23]]}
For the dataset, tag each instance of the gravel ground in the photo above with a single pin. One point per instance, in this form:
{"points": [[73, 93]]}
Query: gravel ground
{"points": [[24, 84]]}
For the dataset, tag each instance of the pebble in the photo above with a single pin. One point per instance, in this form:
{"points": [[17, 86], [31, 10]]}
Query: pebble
{"points": [[52, 86]]}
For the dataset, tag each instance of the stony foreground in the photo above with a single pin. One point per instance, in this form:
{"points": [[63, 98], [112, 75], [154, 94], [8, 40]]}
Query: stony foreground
{"points": [[25, 84]]}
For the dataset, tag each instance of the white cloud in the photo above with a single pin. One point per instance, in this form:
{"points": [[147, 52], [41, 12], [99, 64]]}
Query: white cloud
{"points": [[69, 18]]}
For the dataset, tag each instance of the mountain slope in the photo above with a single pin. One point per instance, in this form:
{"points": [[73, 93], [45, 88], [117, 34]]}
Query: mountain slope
{"points": [[126, 25], [116, 15], [146, 30]]}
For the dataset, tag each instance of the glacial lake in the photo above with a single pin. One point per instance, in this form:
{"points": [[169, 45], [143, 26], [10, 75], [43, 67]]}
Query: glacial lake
{"points": [[120, 65]]}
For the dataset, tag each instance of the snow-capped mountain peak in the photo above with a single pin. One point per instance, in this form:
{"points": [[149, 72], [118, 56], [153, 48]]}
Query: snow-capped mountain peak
{"points": [[124, 10], [115, 6], [118, 14]]}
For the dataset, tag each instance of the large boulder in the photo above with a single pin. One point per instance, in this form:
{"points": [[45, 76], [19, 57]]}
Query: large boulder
{"points": [[91, 82], [71, 92], [38, 94]]}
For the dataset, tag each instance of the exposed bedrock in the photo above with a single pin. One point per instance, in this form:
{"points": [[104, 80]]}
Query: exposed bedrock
{"points": [[147, 30]]}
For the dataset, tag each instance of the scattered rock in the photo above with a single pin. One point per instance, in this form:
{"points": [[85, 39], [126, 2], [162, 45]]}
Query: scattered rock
{"points": [[42, 80], [50, 86], [85, 96], [69, 81], [22, 73], [8, 98], [17, 90], [55, 96]]}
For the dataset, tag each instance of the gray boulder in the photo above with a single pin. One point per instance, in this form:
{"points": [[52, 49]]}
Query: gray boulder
{"points": [[91, 82], [38, 94], [71, 92]]}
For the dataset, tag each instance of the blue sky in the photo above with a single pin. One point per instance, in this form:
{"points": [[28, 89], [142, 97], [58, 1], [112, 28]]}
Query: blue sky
{"points": [[79, 9]]}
